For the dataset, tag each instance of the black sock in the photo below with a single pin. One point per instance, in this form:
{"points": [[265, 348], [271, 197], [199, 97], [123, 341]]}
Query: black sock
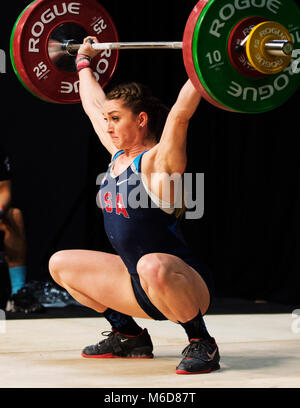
{"points": [[122, 323], [195, 328]]}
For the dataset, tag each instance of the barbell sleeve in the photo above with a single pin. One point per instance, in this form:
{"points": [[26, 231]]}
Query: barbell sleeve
{"points": [[279, 48]]}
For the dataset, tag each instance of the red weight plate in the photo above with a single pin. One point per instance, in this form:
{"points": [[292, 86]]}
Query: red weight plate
{"points": [[239, 58], [37, 30], [188, 53]]}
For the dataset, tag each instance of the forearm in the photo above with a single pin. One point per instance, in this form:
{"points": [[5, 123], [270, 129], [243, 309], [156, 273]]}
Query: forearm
{"points": [[171, 150], [187, 101], [91, 94], [93, 98]]}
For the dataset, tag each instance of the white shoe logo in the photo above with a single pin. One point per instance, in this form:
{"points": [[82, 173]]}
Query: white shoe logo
{"points": [[212, 355], [123, 340]]}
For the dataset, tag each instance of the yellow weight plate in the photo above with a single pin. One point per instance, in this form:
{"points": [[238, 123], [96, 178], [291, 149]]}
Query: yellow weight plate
{"points": [[257, 53]]}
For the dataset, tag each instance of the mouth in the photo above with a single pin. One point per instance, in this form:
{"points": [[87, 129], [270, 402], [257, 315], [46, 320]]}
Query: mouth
{"points": [[114, 139]]}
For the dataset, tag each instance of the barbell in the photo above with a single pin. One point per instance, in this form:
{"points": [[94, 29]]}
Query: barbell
{"points": [[237, 53]]}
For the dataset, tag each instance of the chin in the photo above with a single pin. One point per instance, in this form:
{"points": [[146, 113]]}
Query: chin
{"points": [[117, 144]]}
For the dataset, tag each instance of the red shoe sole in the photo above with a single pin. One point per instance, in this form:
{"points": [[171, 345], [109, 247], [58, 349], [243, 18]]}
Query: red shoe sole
{"points": [[198, 372], [113, 356]]}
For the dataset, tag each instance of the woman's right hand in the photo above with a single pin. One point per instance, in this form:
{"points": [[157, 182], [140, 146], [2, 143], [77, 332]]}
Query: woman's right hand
{"points": [[87, 49]]}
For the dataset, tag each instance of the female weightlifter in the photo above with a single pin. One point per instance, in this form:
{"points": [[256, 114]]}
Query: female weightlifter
{"points": [[153, 274]]}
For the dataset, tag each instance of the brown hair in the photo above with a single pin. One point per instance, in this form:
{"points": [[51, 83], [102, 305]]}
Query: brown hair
{"points": [[139, 98]]}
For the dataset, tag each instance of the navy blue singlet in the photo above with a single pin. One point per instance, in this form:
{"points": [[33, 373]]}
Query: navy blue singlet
{"points": [[136, 226]]}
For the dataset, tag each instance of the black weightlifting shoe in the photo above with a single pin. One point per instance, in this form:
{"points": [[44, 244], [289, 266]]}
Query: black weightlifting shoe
{"points": [[24, 302], [200, 356], [119, 345]]}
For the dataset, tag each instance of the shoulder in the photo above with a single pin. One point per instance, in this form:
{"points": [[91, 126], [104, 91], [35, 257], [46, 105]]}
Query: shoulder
{"points": [[160, 160], [148, 159]]}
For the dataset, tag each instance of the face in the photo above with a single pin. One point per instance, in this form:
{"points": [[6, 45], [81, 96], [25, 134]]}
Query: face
{"points": [[122, 124]]}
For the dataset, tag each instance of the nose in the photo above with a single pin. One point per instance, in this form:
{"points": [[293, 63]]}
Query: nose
{"points": [[109, 127]]}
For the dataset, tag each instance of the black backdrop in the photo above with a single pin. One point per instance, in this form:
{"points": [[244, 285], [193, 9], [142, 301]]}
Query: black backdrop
{"points": [[250, 231]]}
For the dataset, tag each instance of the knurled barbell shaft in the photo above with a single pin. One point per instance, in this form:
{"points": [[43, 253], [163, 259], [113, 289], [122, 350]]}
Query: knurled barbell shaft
{"points": [[129, 45]]}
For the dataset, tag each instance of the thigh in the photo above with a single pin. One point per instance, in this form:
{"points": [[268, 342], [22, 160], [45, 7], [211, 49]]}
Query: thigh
{"points": [[193, 286], [198, 287], [102, 277]]}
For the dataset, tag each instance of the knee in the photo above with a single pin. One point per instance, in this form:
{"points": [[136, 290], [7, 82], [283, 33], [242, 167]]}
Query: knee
{"points": [[14, 216], [154, 271], [56, 265], [14, 222], [15, 213]]}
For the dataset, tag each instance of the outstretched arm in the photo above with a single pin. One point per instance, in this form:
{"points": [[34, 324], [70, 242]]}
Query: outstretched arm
{"points": [[171, 150], [93, 97]]}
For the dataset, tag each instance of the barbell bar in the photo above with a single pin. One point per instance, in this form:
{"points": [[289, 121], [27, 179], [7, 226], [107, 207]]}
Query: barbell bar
{"points": [[275, 47], [69, 47]]}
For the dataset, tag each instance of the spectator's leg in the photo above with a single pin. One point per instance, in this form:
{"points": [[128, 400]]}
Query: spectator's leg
{"points": [[15, 248]]}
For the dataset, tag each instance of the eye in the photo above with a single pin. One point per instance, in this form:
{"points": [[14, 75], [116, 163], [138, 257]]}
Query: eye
{"points": [[115, 118]]}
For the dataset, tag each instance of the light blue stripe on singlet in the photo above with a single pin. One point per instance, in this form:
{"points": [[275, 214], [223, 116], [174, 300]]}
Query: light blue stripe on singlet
{"points": [[117, 155], [137, 161]]}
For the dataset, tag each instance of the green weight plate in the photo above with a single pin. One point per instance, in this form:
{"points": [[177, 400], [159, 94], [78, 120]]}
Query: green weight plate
{"points": [[188, 57], [212, 63]]}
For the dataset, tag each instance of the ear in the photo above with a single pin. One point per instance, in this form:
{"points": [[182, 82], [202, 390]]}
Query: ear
{"points": [[142, 119]]}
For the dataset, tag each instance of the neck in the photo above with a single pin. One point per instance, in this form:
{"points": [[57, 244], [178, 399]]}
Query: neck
{"points": [[134, 151]]}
